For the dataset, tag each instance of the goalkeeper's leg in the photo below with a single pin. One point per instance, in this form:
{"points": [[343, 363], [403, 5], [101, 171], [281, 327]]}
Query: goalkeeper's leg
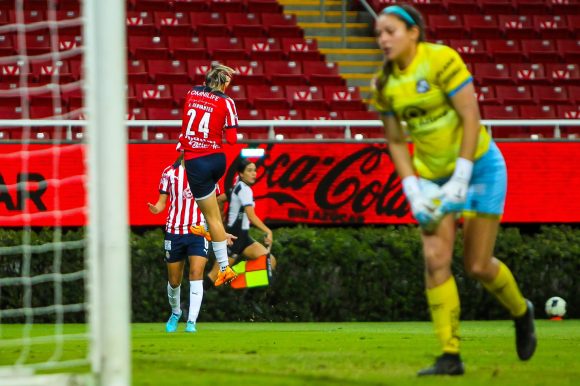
{"points": [[496, 277], [442, 297]]}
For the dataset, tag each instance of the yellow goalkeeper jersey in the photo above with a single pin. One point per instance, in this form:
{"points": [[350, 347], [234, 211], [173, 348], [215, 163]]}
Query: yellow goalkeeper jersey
{"points": [[420, 96]]}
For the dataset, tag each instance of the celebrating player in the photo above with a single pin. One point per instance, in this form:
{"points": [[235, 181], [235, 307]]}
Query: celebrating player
{"points": [[428, 87], [207, 114]]}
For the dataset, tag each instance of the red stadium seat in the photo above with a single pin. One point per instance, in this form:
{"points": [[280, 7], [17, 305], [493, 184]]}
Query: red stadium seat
{"points": [[168, 71], [137, 71], [154, 95], [320, 115], [282, 115], [300, 49], [49, 72], [245, 115], [266, 97], [223, 6], [573, 23], [222, 48], [140, 23], [160, 113], [343, 98], [69, 42], [568, 111], [551, 27], [504, 50], [73, 99], [281, 25], [173, 23], [496, 7], [500, 112], [510, 95], [574, 93], [569, 50], [263, 48], [322, 73], [5, 17], [247, 72], [471, 50], [185, 47], [178, 91], [492, 74], [209, 24], [264, 6], [563, 73], [306, 97], [517, 26], [446, 27], [190, 5], [482, 26], [285, 72], [38, 43], [277, 18], [530, 7], [245, 24], [148, 47], [12, 72], [538, 112], [7, 46], [197, 70], [541, 50], [486, 96], [565, 7], [10, 111], [550, 95], [238, 94], [30, 15], [462, 7], [526, 73]]}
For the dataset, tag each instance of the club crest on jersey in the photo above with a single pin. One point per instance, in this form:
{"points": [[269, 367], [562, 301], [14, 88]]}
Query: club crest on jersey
{"points": [[422, 86], [187, 194]]}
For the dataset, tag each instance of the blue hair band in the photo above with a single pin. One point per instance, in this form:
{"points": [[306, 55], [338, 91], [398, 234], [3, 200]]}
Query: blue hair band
{"points": [[399, 11]]}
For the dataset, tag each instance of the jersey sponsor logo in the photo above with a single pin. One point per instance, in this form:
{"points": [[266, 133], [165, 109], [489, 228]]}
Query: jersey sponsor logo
{"points": [[413, 112], [422, 86]]}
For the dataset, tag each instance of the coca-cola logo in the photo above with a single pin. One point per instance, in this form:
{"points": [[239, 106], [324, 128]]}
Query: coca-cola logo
{"points": [[348, 187]]}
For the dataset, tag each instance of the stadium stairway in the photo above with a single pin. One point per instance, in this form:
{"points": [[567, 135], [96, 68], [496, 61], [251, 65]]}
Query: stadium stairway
{"points": [[358, 57]]}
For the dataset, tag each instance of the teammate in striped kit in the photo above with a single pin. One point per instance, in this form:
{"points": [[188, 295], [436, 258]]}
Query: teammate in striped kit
{"points": [[208, 113], [180, 244]]}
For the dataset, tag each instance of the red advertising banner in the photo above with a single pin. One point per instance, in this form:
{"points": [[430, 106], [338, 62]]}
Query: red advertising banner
{"points": [[314, 183]]}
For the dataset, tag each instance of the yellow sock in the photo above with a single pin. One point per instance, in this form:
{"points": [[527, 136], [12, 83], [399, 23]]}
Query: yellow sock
{"points": [[444, 306], [505, 289]]}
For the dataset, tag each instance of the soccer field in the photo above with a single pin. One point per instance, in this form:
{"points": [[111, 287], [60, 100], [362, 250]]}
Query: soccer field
{"points": [[338, 354]]}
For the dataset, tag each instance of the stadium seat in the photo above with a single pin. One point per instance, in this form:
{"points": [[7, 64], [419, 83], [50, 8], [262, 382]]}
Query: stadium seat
{"points": [[223, 48], [471, 50], [30, 15], [159, 113], [496, 7], [11, 72], [140, 23], [209, 24], [565, 7], [285, 72], [568, 111], [69, 42], [526, 73], [245, 25], [510, 95], [72, 98], [282, 115], [486, 96], [574, 24], [190, 5], [482, 26], [502, 50], [186, 47], [149, 5], [500, 112], [49, 72], [247, 72], [248, 114], [178, 91], [276, 18], [137, 71], [266, 97], [38, 43], [462, 7], [154, 95], [322, 73], [223, 6], [197, 70], [541, 50], [550, 95], [306, 97], [300, 49], [551, 26], [264, 6], [320, 115], [531, 7], [148, 47], [168, 71], [446, 27], [574, 93], [569, 50], [173, 23], [69, 15], [263, 48], [538, 112], [7, 46], [563, 73], [10, 111], [238, 94], [492, 74], [5, 17], [343, 98], [517, 26]]}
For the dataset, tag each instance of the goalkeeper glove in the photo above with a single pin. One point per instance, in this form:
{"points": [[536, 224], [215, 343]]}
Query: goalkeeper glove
{"points": [[425, 210], [455, 190]]}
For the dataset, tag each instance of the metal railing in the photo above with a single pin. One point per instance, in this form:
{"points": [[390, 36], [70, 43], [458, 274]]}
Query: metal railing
{"points": [[66, 126]]}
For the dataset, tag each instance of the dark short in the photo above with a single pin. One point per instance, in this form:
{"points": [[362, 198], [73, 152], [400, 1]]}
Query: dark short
{"points": [[243, 241], [203, 173], [180, 247]]}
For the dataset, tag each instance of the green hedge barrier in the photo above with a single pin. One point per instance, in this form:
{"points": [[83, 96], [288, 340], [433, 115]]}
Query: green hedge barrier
{"points": [[324, 275]]}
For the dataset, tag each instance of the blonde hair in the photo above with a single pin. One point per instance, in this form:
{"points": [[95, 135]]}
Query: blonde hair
{"points": [[217, 77]]}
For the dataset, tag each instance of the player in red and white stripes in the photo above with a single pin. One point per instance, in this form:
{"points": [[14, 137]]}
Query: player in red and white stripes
{"points": [[208, 114]]}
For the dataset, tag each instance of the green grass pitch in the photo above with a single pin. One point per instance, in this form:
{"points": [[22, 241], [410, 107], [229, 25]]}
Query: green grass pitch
{"points": [[335, 354]]}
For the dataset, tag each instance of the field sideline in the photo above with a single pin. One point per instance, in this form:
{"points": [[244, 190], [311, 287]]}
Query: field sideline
{"points": [[340, 354]]}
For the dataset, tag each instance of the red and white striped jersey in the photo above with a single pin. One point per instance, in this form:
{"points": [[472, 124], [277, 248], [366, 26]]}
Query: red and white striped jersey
{"points": [[183, 210], [206, 114]]}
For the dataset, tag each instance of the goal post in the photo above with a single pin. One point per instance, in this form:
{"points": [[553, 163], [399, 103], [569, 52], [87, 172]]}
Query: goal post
{"points": [[108, 248]]}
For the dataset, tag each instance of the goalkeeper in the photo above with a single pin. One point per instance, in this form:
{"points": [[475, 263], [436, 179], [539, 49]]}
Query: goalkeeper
{"points": [[429, 87]]}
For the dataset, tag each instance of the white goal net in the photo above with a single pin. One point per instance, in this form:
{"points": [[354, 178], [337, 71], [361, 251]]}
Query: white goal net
{"points": [[64, 259]]}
